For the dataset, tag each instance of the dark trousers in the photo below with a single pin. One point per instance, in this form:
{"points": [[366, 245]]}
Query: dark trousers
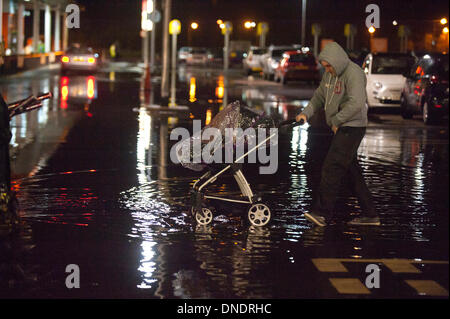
{"points": [[341, 162]]}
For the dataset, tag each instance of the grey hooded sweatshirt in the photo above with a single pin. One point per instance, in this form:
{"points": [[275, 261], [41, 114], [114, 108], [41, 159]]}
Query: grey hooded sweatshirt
{"points": [[343, 96]]}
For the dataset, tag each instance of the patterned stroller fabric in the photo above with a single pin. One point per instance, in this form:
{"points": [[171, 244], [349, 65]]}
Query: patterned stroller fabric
{"points": [[214, 136]]}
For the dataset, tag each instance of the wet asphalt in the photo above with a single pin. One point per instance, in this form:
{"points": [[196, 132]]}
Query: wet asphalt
{"points": [[97, 189]]}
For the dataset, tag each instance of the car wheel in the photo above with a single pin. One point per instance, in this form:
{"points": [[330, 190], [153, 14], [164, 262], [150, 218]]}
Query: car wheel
{"points": [[406, 114], [427, 114]]}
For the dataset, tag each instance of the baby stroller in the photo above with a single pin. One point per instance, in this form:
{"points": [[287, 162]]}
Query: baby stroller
{"points": [[232, 116]]}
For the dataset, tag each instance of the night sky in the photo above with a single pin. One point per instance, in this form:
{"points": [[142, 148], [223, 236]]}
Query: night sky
{"points": [[104, 21]]}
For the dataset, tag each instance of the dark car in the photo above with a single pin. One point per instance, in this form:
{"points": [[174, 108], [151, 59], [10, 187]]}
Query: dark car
{"points": [[297, 65], [426, 89]]}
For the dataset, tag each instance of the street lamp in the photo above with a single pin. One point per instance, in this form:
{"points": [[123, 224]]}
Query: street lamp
{"points": [[445, 30], [394, 22], [443, 21], [249, 24], [194, 25], [371, 30]]}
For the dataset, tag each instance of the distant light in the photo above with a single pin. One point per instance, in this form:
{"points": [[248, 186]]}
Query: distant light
{"points": [[443, 21], [219, 22], [194, 25], [222, 25], [394, 22], [248, 24], [426, 56], [445, 30], [371, 29]]}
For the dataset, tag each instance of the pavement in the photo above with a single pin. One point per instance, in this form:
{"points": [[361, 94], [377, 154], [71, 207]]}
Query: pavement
{"points": [[97, 189]]}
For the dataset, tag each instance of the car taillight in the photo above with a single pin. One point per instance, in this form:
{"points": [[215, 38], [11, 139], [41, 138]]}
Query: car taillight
{"points": [[91, 87], [65, 59], [438, 106], [434, 79], [91, 60]]}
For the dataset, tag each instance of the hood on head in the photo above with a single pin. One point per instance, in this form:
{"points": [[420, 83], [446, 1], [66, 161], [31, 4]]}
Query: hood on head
{"points": [[335, 55]]}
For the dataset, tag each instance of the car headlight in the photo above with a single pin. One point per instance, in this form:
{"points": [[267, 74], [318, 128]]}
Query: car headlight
{"points": [[274, 64], [378, 85]]}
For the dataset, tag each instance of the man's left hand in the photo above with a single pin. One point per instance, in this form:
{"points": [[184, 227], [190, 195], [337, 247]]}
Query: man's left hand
{"points": [[335, 129]]}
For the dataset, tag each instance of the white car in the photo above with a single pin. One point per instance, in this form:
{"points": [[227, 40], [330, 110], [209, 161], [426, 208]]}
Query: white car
{"points": [[183, 54], [252, 62], [386, 77], [199, 56], [271, 60]]}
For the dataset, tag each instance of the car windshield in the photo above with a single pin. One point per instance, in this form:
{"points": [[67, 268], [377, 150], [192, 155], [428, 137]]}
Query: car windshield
{"points": [[199, 51], [75, 50], [302, 58], [259, 51], [278, 53], [391, 64], [440, 68]]}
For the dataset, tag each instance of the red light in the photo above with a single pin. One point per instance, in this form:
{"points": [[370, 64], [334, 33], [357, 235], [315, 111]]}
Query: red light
{"points": [[438, 106], [65, 59], [64, 91], [64, 80], [91, 87]]}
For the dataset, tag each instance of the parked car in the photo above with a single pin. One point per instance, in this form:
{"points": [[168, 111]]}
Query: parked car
{"points": [[426, 89], [199, 56], [271, 60], [237, 57], [386, 77], [78, 58], [252, 62], [297, 65], [183, 54]]}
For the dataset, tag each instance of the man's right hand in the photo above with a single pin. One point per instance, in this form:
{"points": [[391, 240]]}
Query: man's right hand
{"points": [[300, 117]]}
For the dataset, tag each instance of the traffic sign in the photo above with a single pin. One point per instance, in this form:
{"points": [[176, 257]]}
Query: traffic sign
{"points": [[154, 16], [175, 26], [316, 29], [261, 28], [228, 28]]}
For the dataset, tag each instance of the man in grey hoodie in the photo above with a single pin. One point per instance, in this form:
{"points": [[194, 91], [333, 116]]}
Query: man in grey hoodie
{"points": [[342, 93]]}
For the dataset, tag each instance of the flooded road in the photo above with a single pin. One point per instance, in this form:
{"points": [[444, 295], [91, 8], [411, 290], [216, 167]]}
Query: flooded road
{"points": [[97, 189]]}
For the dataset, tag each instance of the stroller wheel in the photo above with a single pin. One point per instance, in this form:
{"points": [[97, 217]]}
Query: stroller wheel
{"points": [[259, 214], [204, 217]]}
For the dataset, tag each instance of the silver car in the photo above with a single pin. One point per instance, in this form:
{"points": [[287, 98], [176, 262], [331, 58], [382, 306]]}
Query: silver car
{"points": [[183, 54], [78, 58], [252, 62], [199, 56], [271, 60]]}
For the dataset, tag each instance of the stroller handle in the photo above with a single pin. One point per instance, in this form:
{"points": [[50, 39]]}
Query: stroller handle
{"points": [[28, 104], [292, 122]]}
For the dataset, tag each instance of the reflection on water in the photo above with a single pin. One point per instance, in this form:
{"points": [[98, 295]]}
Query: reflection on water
{"points": [[138, 194]]}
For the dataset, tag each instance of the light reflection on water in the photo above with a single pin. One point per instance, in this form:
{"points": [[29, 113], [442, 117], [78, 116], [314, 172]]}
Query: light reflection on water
{"points": [[404, 171]]}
